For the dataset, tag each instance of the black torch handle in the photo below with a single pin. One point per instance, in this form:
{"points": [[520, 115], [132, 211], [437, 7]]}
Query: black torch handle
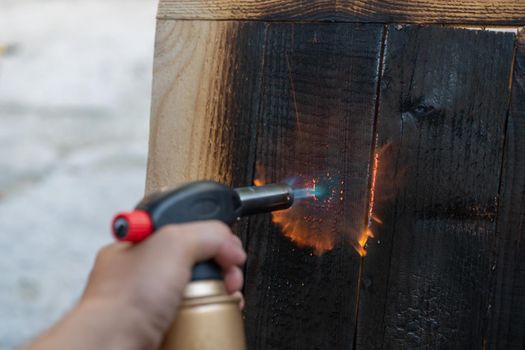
{"points": [[198, 201]]}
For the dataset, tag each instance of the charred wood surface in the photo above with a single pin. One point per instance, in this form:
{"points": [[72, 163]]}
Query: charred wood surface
{"points": [[483, 12], [443, 106], [507, 308], [317, 112]]}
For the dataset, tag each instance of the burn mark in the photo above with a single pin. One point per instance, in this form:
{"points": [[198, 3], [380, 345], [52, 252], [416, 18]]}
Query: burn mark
{"points": [[320, 141], [440, 233], [235, 106], [326, 75]]}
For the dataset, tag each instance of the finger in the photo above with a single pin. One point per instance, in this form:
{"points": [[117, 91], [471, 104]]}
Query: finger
{"points": [[230, 254], [201, 241], [237, 240], [233, 279], [240, 297], [213, 239]]}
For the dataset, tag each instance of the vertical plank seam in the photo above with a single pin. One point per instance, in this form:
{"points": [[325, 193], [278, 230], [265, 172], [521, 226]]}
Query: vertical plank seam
{"points": [[505, 127], [373, 148], [493, 273], [393, 233]]}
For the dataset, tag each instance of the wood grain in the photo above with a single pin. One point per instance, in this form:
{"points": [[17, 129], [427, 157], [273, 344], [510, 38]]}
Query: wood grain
{"points": [[507, 312], [317, 112], [444, 99], [502, 12], [207, 78]]}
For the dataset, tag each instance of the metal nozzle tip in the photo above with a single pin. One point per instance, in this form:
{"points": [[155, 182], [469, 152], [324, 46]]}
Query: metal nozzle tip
{"points": [[263, 199]]}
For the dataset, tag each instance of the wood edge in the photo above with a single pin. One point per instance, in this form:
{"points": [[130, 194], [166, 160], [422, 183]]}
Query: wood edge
{"points": [[460, 22], [352, 11]]}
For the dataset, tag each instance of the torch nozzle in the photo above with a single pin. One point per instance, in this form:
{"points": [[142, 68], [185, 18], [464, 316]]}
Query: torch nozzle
{"points": [[263, 199], [301, 193]]}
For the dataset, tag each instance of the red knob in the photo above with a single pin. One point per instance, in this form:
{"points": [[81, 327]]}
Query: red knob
{"points": [[133, 226]]}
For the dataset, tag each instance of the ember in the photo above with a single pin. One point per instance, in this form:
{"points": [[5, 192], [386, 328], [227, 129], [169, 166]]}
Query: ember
{"points": [[300, 223], [312, 223], [317, 222], [367, 232]]}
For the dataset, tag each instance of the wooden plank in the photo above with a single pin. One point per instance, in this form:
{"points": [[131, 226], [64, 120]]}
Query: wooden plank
{"points": [[247, 9], [207, 77], [507, 312], [502, 12], [442, 107], [317, 112], [443, 104]]}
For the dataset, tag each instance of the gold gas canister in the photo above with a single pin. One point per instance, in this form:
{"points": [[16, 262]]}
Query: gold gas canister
{"points": [[208, 319]]}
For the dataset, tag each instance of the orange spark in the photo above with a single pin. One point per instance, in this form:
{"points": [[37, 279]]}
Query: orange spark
{"points": [[376, 219], [367, 232], [373, 187]]}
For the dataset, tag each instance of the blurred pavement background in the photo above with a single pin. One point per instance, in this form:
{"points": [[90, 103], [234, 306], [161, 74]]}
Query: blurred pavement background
{"points": [[75, 81]]}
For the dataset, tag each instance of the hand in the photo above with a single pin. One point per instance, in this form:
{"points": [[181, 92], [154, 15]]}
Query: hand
{"points": [[134, 291]]}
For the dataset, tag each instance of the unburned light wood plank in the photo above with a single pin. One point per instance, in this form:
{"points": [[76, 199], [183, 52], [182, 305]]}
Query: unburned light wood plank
{"points": [[207, 77], [443, 105], [507, 311], [317, 112], [504, 12], [247, 9]]}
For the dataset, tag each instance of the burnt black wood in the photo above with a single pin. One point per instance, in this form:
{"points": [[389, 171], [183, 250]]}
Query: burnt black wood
{"points": [[507, 312], [240, 100], [239, 104], [317, 113], [443, 105]]}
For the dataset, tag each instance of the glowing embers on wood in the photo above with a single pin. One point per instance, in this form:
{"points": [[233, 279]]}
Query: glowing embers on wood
{"points": [[317, 218], [386, 178], [360, 243], [314, 221], [306, 223]]}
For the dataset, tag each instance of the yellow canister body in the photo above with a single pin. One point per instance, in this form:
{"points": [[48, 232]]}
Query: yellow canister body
{"points": [[208, 319]]}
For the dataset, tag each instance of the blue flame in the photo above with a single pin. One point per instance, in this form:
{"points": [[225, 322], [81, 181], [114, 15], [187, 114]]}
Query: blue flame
{"points": [[319, 191], [309, 192], [322, 187], [301, 193]]}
